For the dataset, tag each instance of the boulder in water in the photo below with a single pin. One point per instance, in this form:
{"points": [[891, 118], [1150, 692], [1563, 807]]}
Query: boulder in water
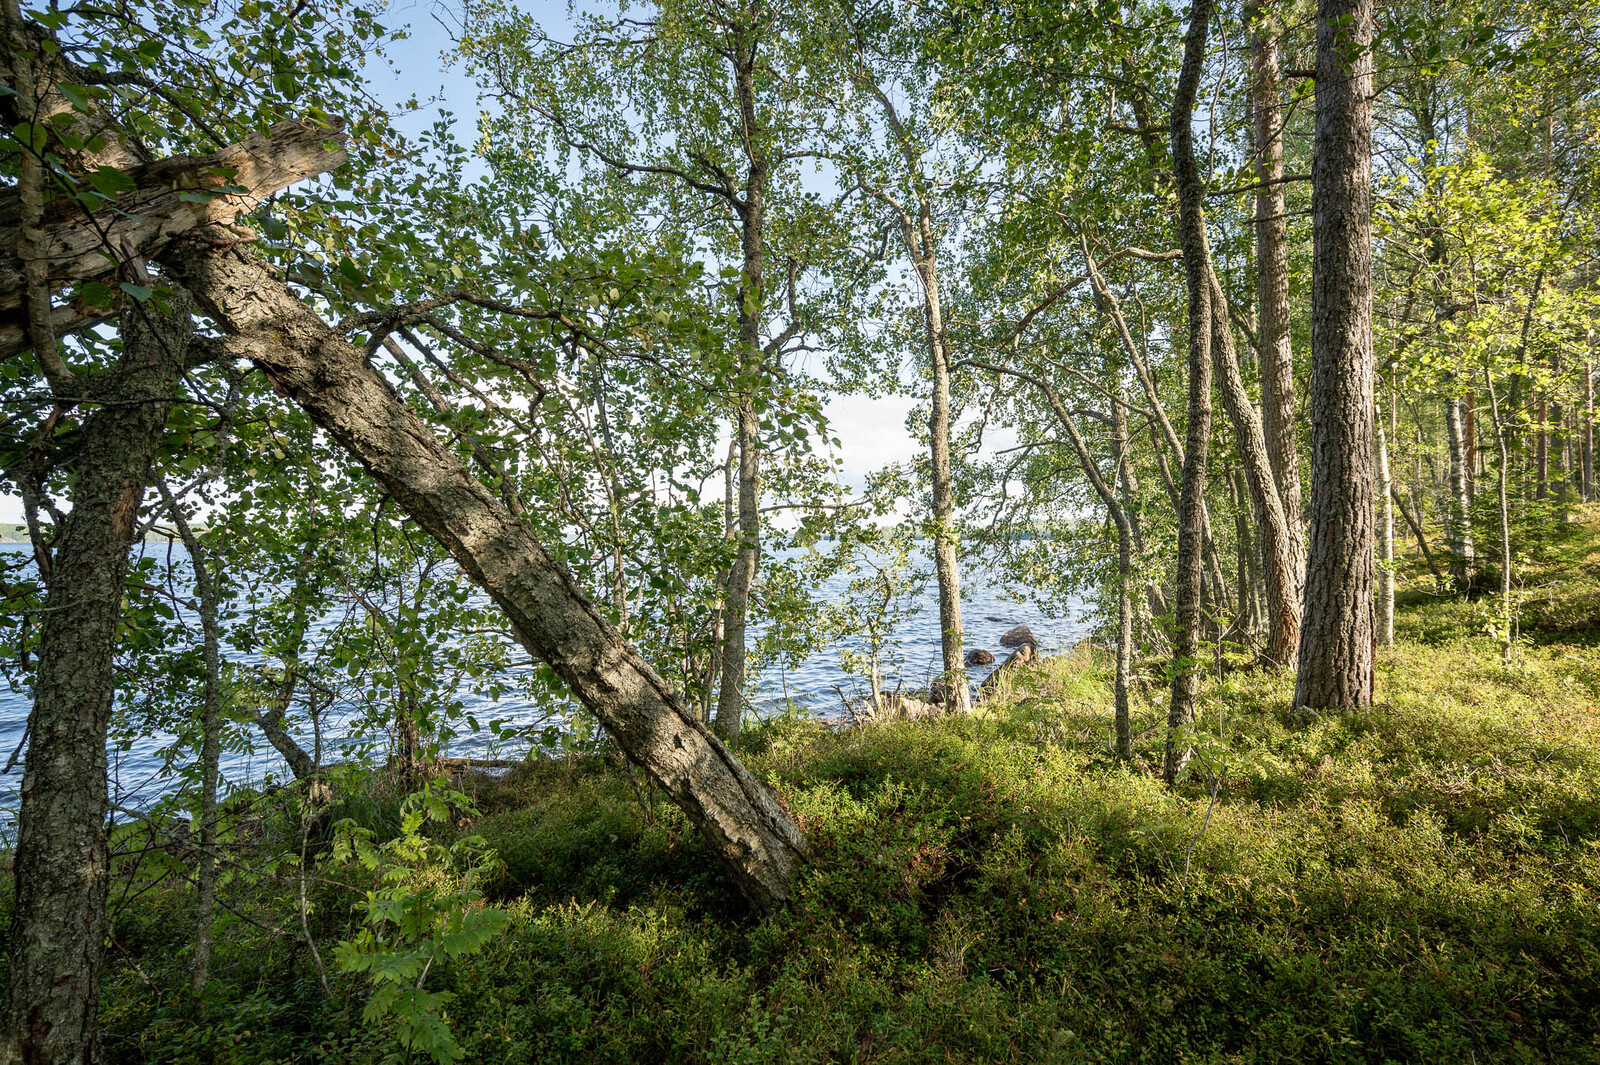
{"points": [[979, 657], [1018, 637]]}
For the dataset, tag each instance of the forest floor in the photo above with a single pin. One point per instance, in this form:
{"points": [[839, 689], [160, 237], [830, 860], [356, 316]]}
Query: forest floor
{"points": [[1417, 882]]}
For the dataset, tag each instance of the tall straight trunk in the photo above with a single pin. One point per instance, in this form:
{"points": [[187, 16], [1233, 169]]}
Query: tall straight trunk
{"points": [[916, 224], [752, 301], [1458, 512], [1196, 256], [1127, 533], [58, 923], [1337, 637], [1507, 613], [1385, 604], [1122, 474], [205, 877], [1542, 450], [945, 541], [1588, 431], [738, 816], [720, 615], [1272, 278], [741, 576]]}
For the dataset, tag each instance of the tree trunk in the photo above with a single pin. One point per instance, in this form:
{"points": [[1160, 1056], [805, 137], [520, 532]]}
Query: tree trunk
{"points": [[1458, 515], [1588, 431], [205, 877], [752, 301], [58, 925], [1507, 613], [1337, 639], [1385, 606], [1196, 257], [1279, 541], [740, 818], [1542, 450], [945, 541], [1122, 474], [1272, 282]]}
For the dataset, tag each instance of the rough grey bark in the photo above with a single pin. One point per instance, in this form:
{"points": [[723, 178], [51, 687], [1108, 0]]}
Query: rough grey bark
{"points": [[1196, 257], [1272, 279], [58, 925], [739, 816], [1336, 640]]}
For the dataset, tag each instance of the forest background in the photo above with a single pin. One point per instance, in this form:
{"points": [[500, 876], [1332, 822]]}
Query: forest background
{"points": [[556, 381]]}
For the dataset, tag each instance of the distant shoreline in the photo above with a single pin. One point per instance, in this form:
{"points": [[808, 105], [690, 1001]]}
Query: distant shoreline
{"points": [[18, 534]]}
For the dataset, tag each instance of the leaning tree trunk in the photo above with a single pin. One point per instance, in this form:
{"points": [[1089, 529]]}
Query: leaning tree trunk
{"points": [[739, 816], [1272, 280], [1196, 257], [58, 923], [1280, 552], [1337, 636]]}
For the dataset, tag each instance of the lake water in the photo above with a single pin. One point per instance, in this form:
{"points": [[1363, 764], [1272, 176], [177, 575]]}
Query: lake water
{"points": [[988, 611]]}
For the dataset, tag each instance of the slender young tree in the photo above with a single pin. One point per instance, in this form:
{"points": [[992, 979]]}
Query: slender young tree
{"points": [[1337, 637]]}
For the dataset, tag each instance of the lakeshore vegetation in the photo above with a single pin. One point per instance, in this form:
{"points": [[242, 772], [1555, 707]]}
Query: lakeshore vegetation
{"points": [[1267, 327]]}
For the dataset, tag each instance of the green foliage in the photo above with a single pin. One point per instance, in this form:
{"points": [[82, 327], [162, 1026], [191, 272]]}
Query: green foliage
{"points": [[425, 909], [1413, 882]]}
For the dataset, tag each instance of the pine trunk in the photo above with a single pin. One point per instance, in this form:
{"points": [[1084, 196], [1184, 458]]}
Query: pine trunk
{"points": [[1337, 638]]}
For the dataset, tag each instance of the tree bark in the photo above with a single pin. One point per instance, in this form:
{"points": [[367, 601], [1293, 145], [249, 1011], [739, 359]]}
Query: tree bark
{"points": [[739, 816], [1337, 637], [1122, 475], [58, 926], [1272, 281], [1196, 257]]}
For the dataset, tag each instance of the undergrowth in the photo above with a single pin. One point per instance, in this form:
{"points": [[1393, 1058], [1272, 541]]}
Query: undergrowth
{"points": [[1415, 882]]}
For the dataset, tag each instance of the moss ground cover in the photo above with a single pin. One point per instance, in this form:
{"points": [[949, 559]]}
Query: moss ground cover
{"points": [[1417, 882]]}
